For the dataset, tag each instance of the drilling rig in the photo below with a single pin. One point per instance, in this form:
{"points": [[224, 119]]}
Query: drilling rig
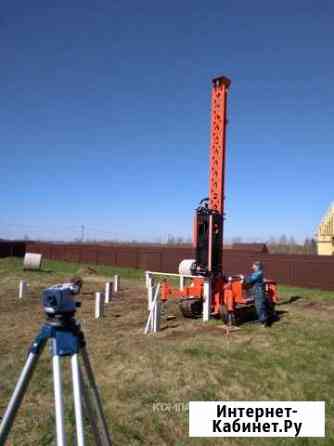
{"points": [[228, 295]]}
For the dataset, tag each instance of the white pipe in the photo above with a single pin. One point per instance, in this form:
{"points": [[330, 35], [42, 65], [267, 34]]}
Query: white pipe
{"points": [[22, 288], [154, 273], [156, 317], [108, 292], [206, 300], [147, 278], [116, 283], [182, 282], [150, 317], [150, 293], [98, 305]]}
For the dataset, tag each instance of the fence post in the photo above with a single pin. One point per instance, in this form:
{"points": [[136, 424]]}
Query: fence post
{"points": [[98, 305]]}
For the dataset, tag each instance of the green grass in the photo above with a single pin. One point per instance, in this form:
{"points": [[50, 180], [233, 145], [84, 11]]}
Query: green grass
{"points": [[307, 293], [56, 267], [187, 360]]}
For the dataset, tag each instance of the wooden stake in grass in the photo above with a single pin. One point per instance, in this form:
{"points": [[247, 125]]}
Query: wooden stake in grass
{"points": [[99, 307]]}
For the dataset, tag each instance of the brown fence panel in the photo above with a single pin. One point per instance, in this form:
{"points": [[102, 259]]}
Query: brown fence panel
{"points": [[240, 263], [171, 257], [88, 254], [12, 248], [106, 256], [149, 260], [298, 270], [126, 257]]}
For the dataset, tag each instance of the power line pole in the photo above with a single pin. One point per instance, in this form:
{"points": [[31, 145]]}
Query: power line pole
{"points": [[82, 238]]}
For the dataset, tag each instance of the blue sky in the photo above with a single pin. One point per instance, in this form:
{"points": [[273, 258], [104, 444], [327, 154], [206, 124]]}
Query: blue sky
{"points": [[104, 116]]}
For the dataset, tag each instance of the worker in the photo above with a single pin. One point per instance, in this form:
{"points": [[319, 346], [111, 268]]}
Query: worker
{"points": [[255, 281]]}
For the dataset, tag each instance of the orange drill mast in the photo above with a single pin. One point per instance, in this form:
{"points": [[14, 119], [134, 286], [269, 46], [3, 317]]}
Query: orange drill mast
{"points": [[218, 142], [209, 218]]}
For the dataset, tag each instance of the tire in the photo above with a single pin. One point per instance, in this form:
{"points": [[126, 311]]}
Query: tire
{"points": [[191, 308]]}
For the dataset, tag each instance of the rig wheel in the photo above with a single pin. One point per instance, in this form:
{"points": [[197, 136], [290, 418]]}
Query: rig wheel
{"points": [[191, 308]]}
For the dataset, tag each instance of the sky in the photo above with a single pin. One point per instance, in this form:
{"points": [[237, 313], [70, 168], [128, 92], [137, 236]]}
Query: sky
{"points": [[105, 116]]}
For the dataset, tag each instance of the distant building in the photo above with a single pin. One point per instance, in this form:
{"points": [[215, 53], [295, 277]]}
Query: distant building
{"points": [[325, 234]]}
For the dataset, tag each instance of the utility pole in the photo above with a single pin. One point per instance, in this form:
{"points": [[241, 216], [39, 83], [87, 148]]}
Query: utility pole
{"points": [[82, 237]]}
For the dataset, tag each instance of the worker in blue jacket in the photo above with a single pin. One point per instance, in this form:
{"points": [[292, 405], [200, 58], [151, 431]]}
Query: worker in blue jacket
{"points": [[256, 282]]}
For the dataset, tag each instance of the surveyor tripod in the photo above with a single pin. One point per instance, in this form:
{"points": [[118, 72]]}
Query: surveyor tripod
{"points": [[66, 339]]}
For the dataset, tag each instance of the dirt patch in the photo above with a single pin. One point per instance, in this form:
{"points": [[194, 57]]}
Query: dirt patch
{"points": [[317, 306], [176, 335], [88, 270]]}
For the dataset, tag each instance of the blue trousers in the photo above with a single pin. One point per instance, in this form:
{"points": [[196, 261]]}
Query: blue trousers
{"points": [[261, 307]]}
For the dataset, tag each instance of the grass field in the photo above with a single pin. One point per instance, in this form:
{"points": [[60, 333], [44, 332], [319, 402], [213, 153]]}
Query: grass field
{"points": [[186, 361]]}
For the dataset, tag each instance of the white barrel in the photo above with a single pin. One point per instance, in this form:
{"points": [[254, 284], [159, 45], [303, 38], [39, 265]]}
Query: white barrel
{"points": [[32, 261], [187, 266]]}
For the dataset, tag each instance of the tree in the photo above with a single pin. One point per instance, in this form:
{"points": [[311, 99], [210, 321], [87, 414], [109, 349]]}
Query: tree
{"points": [[283, 240], [236, 240]]}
